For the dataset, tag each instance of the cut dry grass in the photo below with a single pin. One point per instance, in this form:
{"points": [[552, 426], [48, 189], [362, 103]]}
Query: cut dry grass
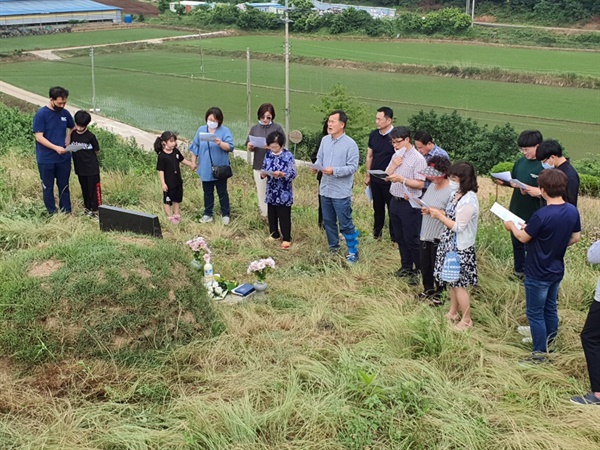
{"points": [[333, 357]]}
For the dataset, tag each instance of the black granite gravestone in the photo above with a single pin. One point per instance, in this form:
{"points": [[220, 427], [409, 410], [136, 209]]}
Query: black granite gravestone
{"points": [[119, 219]]}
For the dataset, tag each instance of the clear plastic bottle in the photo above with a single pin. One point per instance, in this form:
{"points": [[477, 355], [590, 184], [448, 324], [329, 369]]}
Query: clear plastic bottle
{"points": [[208, 273]]}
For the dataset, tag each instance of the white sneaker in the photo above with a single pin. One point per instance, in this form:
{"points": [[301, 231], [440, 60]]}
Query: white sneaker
{"points": [[527, 340], [206, 219], [524, 331], [226, 220]]}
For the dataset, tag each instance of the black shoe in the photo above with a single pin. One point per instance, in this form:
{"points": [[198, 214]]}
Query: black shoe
{"points": [[403, 273], [414, 279], [534, 359]]}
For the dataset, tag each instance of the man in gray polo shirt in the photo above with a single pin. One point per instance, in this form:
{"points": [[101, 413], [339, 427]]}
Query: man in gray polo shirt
{"points": [[338, 156]]}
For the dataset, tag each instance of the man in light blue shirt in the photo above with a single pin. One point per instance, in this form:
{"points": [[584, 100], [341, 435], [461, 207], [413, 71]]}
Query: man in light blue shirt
{"points": [[426, 147], [338, 156]]}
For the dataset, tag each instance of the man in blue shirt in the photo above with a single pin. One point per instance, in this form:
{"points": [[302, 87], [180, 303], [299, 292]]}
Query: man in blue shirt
{"points": [[426, 147], [546, 236], [338, 156], [52, 126]]}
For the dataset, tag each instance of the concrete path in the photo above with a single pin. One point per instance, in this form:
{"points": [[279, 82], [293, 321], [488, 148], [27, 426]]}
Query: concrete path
{"points": [[143, 138], [49, 54]]}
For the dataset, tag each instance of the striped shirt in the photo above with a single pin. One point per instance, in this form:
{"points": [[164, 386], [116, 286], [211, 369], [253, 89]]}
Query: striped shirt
{"points": [[437, 198], [412, 163]]}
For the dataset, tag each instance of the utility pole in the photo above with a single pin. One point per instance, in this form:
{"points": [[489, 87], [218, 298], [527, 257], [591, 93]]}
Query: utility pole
{"points": [[472, 12], [248, 100], [202, 62], [93, 81], [287, 71]]}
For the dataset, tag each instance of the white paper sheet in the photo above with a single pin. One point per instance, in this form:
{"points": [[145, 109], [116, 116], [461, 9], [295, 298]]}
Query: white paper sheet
{"points": [[519, 184], [75, 147], [257, 141], [504, 176], [207, 136], [505, 215], [417, 203], [316, 166], [369, 194]]}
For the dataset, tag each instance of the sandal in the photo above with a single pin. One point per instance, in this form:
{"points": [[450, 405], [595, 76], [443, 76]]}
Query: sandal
{"points": [[462, 325], [452, 317], [285, 245]]}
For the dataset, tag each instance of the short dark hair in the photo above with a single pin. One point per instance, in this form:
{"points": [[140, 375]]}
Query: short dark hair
{"points": [[440, 163], [276, 136], [82, 118], [400, 133], [58, 92], [387, 112], [264, 108], [553, 182], [158, 143], [530, 138], [215, 111], [342, 114], [547, 149], [465, 172], [423, 137]]}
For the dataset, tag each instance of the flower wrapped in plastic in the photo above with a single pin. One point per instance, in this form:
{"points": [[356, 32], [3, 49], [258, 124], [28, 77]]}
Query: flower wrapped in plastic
{"points": [[200, 248], [260, 268], [218, 289]]}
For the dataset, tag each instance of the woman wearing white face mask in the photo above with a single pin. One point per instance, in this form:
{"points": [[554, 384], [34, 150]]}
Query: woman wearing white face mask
{"points": [[208, 154], [460, 221], [264, 127]]}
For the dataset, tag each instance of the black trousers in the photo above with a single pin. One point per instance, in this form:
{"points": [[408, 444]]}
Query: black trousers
{"points": [[280, 218], [380, 190], [518, 254], [91, 191], [407, 228], [428, 255], [590, 339]]}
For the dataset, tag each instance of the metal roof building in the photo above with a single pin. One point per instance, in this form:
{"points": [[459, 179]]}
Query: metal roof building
{"points": [[46, 12]]}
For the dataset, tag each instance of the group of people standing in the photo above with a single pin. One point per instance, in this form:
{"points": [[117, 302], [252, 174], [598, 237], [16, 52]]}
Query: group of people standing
{"points": [[432, 203]]}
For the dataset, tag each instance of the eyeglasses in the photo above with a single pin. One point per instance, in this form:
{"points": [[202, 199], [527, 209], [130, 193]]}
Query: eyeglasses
{"points": [[266, 117]]}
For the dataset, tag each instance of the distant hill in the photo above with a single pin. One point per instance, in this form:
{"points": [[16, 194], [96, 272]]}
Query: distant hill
{"points": [[133, 7]]}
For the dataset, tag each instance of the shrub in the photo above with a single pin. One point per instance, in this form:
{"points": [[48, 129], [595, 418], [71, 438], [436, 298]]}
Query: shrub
{"points": [[589, 185]]}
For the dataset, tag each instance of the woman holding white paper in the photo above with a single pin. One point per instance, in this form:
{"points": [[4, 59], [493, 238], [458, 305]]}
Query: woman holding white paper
{"points": [[460, 221], [264, 127]]}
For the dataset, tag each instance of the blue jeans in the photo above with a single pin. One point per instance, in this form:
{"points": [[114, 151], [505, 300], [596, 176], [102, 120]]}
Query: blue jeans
{"points": [[540, 299], [335, 209], [209, 197], [61, 173]]}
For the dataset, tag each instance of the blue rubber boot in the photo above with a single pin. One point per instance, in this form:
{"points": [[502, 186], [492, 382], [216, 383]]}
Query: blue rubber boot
{"points": [[352, 243]]}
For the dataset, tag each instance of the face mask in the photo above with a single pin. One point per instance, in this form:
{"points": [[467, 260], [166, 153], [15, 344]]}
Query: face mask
{"points": [[58, 108], [212, 124], [265, 124], [547, 166], [454, 185]]}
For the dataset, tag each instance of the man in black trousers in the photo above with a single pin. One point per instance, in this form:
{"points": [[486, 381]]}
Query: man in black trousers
{"points": [[379, 154]]}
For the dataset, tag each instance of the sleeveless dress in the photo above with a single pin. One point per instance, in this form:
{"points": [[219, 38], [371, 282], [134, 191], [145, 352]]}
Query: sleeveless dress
{"points": [[468, 259]]}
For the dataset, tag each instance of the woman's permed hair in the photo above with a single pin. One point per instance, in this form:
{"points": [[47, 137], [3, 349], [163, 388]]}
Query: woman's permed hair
{"points": [[266, 108], [465, 172], [216, 112], [277, 137], [160, 140], [440, 163]]}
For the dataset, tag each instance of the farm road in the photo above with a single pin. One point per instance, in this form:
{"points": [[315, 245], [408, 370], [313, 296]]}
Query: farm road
{"points": [[49, 54], [143, 138]]}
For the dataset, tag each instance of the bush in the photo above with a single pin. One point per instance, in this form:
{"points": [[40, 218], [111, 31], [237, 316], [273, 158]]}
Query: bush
{"points": [[464, 138], [589, 185]]}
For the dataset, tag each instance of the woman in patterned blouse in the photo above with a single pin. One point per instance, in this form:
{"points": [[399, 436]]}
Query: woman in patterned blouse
{"points": [[279, 167]]}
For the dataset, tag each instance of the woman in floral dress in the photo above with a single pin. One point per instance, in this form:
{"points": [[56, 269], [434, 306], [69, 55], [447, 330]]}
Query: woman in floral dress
{"points": [[460, 220]]}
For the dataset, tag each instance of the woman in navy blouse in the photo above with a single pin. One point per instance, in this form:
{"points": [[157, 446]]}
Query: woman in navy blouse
{"points": [[279, 167]]}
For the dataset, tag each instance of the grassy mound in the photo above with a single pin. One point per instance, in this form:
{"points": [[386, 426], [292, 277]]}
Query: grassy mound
{"points": [[95, 295]]}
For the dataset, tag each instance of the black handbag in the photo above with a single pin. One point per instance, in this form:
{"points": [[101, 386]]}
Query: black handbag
{"points": [[219, 172]]}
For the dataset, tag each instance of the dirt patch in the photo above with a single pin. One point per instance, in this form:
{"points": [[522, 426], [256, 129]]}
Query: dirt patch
{"points": [[134, 7], [485, 19], [45, 269], [13, 102]]}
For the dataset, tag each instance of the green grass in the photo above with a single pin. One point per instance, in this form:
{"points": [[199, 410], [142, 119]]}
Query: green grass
{"points": [[333, 357], [159, 89], [84, 38], [412, 52]]}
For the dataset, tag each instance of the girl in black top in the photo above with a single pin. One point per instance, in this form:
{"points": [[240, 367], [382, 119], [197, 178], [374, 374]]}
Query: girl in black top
{"points": [[169, 158]]}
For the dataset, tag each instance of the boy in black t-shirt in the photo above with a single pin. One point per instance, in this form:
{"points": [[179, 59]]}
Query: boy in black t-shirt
{"points": [[86, 163]]}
